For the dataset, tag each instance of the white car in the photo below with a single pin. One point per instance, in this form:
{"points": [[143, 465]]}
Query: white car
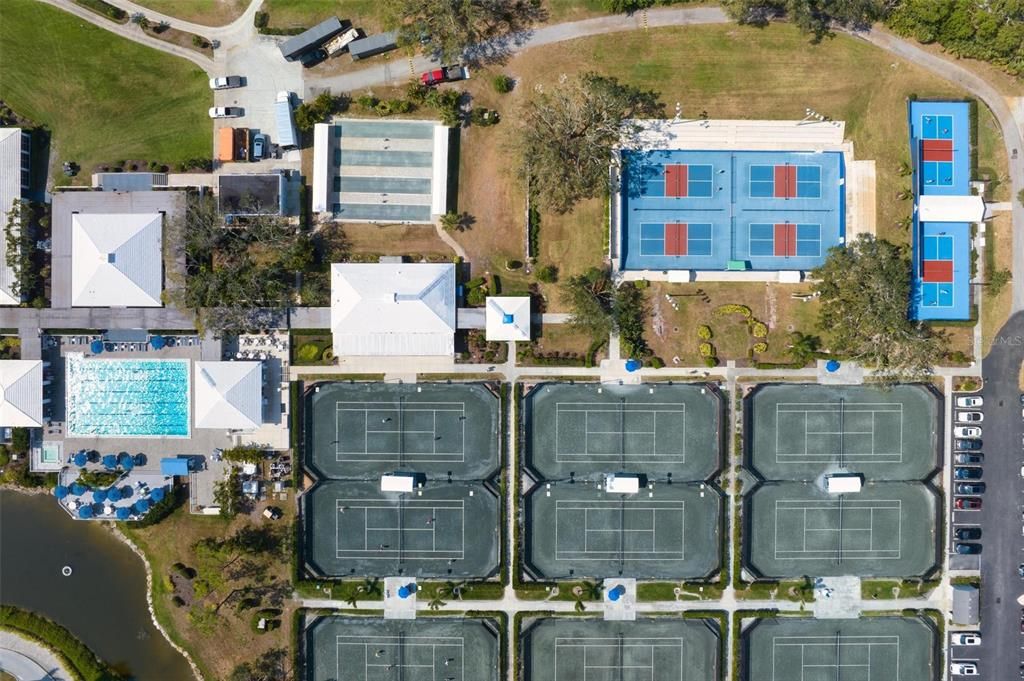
{"points": [[228, 82], [969, 417], [966, 638], [226, 111], [967, 431], [968, 402], [963, 669]]}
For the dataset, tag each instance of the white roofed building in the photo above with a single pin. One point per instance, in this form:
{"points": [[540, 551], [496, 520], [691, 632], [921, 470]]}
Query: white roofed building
{"points": [[400, 309], [228, 395], [508, 318], [116, 260], [21, 393], [14, 180]]}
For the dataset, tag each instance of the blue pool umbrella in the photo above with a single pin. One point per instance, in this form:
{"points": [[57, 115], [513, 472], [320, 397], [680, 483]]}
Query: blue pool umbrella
{"points": [[85, 512], [403, 592], [99, 495], [110, 461], [60, 491], [832, 366], [81, 459], [78, 489], [632, 364], [125, 459], [157, 495], [141, 506], [157, 342], [123, 513], [126, 492], [616, 593], [140, 459], [96, 347], [113, 494]]}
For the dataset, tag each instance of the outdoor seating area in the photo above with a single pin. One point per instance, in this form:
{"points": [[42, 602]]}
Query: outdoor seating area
{"points": [[99, 343], [129, 497], [261, 346]]}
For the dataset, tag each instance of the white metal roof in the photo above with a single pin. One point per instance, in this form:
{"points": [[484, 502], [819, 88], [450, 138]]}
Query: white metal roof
{"points": [[736, 134], [322, 177], [508, 318], [228, 395], [116, 260], [393, 309], [622, 484], [932, 208], [843, 483], [10, 189], [21, 393]]}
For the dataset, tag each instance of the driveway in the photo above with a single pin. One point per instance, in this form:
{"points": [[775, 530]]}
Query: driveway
{"points": [[1001, 515]]}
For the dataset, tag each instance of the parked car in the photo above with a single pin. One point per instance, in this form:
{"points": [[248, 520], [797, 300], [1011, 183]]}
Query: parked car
{"points": [[967, 473], [967, 533], [226, 111], [445, 74], [970, 488], [971, 503], [963, 669], [973, 432], [259, 146], [967, 549], [969, 417], [970, 401], [966, 638], [964, 458], [225, 82], [968, 445], [313, 57]]}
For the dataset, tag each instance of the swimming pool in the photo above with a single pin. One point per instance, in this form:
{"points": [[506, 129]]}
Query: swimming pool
{"points": [[127, 397]]}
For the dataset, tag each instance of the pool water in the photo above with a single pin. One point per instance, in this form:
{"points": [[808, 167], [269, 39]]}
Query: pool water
{"points": [[127, 398]]}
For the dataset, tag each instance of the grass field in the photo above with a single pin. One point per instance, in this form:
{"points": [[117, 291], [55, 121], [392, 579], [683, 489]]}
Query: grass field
{"points": [[206, 12], [74, 78], [995, 310]]}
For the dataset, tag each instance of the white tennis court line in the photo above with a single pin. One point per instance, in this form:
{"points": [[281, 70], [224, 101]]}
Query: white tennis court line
{"points": [[829, 642], [388, 413], [438, 509], [793, 506], [634, 643], [649, 408], [387, 645], [567, 507], [877, 454]]}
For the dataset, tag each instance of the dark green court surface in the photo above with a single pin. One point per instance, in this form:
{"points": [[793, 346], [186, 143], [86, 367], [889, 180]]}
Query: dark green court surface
{"points": [[360, 430], [426, 649], [441, 530], [667, 532], [651, 649], [799, 431], [866, 649], [887, 529], [658, 429]]}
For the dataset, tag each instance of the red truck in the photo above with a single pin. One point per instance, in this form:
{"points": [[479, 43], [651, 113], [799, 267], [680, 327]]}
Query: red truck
{"points": [[445, 74]]}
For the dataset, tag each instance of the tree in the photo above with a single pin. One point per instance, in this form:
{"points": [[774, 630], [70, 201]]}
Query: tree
{"points": [[589, 299], [865, 295], [319, 110], [565, 134], [19, 440], [243, 454], [811, 16], [456, 222], [228, 494], [998, 280], [474, 30], [629, 314], [803, 347], [371, 586], [547, 274], [270, 666], [437, 602]]}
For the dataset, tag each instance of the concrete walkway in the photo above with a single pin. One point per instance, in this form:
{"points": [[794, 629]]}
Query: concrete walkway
{"points": [[240, 26], [27, 660]]}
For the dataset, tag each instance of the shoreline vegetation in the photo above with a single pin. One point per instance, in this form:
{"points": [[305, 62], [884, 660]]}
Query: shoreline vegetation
{"points": [[79, 660]]}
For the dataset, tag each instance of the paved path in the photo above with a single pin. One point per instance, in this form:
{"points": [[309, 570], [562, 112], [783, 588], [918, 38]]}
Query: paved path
{"points": [[27, 660], [240, 26]]}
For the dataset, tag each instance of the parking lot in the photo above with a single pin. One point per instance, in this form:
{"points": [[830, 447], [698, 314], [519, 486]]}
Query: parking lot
{"points": [[967, 482]]}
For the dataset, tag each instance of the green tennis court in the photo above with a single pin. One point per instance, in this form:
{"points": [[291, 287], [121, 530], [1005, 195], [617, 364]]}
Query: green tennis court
{"points": [[440, 530], [663, 430], [885, 530], [798, 431], [667, 532], [866, 649], [426, 649], [359, 430], [649, 649]]}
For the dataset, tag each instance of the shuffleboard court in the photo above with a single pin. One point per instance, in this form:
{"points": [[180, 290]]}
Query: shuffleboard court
{"points": [[866, 649], [364, 429], [798, 431], [370, 649], [887, 529], [670, 532], [649, 649], [589, 429], [354, 529]]}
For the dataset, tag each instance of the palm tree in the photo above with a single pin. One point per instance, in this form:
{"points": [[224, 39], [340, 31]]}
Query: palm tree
{"points": [[803, 347], [353, 599], [371, 586], [436, 603], [580, 607], [455, 588], [591, 590]]}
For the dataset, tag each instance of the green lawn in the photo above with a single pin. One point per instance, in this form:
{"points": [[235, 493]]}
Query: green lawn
{"points": [[364, 14], [206, 12], [103, 97]]}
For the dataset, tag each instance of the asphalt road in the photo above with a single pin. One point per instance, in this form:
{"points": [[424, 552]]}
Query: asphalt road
{"points": [[1001, 515]]}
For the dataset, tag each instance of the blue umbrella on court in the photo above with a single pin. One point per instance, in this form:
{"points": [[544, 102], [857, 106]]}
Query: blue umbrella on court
{"points": [[60, 491], [110, 461], [96, 347], [125, 459], [81, 459], [157, 495], [156, 342], [832, 366], [123, 513], [85, 511], [141, 506], [113, 494], [99, 495], [127, 492], [78, 489]]}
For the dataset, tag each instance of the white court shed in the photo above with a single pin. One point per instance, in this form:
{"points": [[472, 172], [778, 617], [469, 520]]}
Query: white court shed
{"points": [[397, 483], [843, 484], [21, 393], [393, 309], [116, 260], [228, 395], [932, 208], [508, 318], [622, 484]]}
